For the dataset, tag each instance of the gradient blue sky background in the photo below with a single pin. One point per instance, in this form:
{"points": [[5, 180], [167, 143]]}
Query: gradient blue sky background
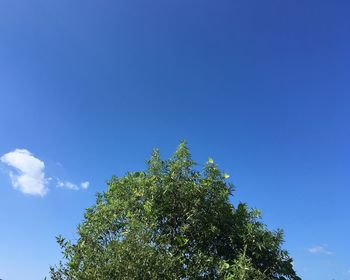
{"points": [[90, 87]]}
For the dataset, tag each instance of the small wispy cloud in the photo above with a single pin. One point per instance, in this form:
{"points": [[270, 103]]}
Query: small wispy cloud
{"points": [[27, 174], [67, 185], [319, 250], [72, 186], [85, 185]]}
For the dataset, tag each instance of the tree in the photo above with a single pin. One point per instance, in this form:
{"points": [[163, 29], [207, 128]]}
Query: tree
{"points": [[173, 222]]}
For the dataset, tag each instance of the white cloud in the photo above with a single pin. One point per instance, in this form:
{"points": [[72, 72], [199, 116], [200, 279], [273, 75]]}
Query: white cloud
{"points": [[29, 176], [319, 250], [72, 186], [67, 185], [85, 184]]}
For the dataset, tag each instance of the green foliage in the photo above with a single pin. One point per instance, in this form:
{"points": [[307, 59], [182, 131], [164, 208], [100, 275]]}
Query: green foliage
{"points": [[172, 222]]}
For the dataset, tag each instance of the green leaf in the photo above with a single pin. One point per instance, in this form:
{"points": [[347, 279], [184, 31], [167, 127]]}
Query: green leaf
{"points": [[225, 266]]}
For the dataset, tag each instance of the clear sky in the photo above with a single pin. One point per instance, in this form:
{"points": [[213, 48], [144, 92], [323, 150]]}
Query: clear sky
{"points": [[88, 88]]}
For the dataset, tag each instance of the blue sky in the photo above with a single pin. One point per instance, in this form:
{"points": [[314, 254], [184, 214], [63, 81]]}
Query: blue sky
{"points": [[88, 88]]}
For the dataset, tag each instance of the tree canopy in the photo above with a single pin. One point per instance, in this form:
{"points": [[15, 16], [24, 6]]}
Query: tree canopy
{"points": [[173, 221]]}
